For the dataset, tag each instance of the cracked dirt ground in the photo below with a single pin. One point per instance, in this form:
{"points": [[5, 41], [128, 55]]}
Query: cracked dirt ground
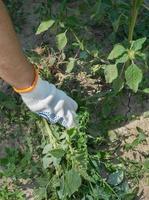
{"points": [[130, 105]]}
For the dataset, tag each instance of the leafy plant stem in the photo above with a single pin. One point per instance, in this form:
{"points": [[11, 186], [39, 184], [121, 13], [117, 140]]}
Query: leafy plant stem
{"points": [[133, 18], [123, 67], [135, 5], [110, 188], [52, 137], [104, 182]]}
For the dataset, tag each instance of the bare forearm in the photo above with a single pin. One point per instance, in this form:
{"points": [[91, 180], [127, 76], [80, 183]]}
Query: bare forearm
{"points": [[14, 67]]}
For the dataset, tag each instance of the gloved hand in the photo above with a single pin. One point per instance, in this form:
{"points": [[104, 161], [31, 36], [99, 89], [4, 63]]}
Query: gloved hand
{"points": [[51, 103]]}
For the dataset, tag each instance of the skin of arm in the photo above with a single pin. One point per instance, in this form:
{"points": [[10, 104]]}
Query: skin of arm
{"points": [[14, 67], [45, 99]]}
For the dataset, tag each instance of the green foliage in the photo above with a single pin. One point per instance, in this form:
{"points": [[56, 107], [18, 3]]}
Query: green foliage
{"points": [[116, 178], [6, 194], [146, 90], [137, 44], [71, 182], [111, 73], [118, 84], [44, 26], [124, 59], [70, 65], [7, 101], [61, 40], [117, 51], [141, 137], [133, 77]]}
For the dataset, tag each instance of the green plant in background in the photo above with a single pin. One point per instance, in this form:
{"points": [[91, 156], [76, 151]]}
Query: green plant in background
{"points": [[125, 58], [135, 4], [6, 194], [121, 71]]}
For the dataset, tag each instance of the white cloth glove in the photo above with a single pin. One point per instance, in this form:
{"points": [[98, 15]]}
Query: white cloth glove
{"points": [[51, 103]]}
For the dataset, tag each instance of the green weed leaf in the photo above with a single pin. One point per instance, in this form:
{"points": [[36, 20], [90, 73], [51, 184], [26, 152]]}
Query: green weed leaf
{"points": [[110, 72], [122, 59], [116, 178], [146, 90], [44, 26], [70, 65], [47, 148], [46, 162], [137, 44], [40, 193], [96, 9], [61, 40], [57, 153], [118, 84], [117, 51], [133, 77], [116, 23], [72, 182]]}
